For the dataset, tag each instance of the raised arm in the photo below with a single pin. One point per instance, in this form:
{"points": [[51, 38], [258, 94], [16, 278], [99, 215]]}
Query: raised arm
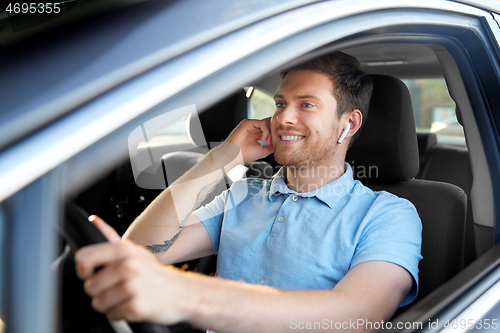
{"points": [[168, 222]]}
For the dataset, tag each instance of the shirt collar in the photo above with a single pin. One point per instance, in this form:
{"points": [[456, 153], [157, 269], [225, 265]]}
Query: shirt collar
{"points": [[330, 193]]}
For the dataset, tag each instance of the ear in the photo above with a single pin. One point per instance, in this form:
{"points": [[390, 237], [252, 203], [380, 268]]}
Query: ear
{"points": [[355, 119]]}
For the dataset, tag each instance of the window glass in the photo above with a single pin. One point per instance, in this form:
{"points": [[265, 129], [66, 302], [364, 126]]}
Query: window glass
{"points": [[174, 133], [434, 110], [262, 104]]}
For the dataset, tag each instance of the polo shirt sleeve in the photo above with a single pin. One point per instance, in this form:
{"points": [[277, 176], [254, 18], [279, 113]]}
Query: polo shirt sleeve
{"points": [[211, 215], [391, 231]]}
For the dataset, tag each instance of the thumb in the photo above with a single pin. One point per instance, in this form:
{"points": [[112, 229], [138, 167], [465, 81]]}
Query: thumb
{"points": [[105, 229]]}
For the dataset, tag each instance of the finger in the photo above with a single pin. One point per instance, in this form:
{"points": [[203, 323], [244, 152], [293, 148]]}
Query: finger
{"points": [[105, 229], [267, 137], [127, 310], [260, 129], [104, 279], [113, 274], [89, 258], [266, 131], [111, 297], [265, 127]]}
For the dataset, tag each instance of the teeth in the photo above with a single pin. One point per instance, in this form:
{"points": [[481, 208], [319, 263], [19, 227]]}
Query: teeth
{"points": [[290, 137]]}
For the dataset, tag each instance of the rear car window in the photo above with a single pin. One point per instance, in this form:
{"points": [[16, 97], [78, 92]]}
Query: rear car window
{"points": [[262, 104], [434, 110], [173, 133]]}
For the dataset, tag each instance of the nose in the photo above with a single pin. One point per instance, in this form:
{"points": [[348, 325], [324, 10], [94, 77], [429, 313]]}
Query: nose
{"points": [[287, 116]]}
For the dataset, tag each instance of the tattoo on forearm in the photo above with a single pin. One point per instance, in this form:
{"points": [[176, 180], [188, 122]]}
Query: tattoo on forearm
{"points": [[159, 248], [205, 190]]}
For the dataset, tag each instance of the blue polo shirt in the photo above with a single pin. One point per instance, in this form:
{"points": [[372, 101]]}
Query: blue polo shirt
{"points": [[265, 233]]}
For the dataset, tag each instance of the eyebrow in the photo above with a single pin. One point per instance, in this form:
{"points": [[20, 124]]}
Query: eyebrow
{"points": [[299, 97]]}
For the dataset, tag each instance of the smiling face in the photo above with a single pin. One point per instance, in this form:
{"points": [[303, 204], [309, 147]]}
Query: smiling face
{"points": [[305, 126]]}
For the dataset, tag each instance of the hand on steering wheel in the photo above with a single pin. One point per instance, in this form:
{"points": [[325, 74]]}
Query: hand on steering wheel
{"points": [[79, 232]]}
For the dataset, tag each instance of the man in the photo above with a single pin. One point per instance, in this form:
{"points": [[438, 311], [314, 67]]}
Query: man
{"points": [[309, 248]]}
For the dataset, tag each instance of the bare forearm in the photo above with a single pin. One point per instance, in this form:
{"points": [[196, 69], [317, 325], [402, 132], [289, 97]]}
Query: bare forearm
{"points": [[160, 224], [228, 306]]}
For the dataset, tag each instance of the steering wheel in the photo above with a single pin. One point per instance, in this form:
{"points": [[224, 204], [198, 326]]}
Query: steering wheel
{"points": [[79, 232]]}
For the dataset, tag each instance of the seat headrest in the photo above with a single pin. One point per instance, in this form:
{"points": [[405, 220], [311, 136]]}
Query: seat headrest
{"points": [[386, 150]]}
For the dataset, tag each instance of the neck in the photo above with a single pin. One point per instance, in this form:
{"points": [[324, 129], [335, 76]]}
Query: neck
{"points": [[311, 177]]}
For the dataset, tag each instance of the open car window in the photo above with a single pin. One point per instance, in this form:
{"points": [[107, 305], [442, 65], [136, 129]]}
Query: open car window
{"points": [[262, 104], [434, 110]]}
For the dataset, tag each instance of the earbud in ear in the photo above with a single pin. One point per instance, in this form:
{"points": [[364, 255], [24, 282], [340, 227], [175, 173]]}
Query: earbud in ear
{"points": [[344, 133]]}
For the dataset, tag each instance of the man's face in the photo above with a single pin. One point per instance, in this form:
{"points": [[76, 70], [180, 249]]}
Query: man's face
{"points": [[305, 125]]}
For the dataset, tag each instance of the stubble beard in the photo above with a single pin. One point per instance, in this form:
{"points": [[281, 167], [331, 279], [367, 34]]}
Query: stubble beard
{"points": [[311, 155]]}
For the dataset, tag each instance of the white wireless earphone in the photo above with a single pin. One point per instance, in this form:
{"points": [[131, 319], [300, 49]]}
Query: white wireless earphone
{"points": [[344, 133]]}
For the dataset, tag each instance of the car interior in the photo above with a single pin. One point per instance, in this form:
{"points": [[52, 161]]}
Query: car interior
{"points": [[436, 177]]}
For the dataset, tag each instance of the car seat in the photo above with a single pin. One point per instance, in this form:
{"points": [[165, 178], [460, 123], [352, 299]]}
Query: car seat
{"points": [[388, 145], [451, 164]]}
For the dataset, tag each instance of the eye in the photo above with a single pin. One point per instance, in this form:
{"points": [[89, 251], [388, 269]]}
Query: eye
{"points": [[280, 105], [307, 105]]}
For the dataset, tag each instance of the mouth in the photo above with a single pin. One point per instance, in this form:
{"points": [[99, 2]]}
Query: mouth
{"points": [[291, 138]]}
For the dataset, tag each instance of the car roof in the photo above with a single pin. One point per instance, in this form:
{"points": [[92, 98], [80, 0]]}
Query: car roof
{"points": [[493, 5]]}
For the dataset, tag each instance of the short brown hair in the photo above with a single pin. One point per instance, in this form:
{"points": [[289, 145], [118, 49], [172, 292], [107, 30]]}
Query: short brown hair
{"points": [[352, 88]]}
